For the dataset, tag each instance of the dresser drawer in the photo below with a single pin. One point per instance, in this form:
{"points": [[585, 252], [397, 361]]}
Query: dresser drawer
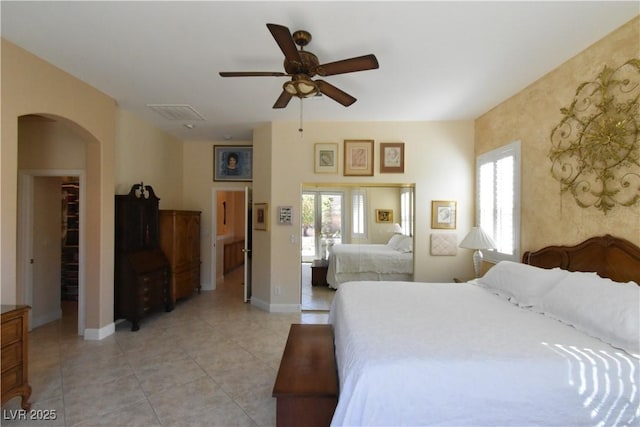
{"points": [[12, 378], [11, 356], [11, 330]]}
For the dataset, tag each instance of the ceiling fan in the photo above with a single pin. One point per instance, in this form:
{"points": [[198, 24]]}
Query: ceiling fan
{"points": [[301, 65]]}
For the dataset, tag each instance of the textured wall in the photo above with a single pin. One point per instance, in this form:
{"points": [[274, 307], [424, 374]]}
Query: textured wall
{"points": [[529, 116]]}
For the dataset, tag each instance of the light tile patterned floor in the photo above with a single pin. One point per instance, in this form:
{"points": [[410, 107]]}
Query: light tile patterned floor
{"points": [[212, 361]]}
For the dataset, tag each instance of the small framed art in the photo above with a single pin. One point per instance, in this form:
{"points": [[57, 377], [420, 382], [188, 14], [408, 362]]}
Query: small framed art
{"points": [[261, 216], [443, 214], [232, 163], [326, 158], [285, 215], [358, 157], [392, 157], [384, 215]]}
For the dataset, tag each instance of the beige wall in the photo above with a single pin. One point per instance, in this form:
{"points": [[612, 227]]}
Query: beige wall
{"points": [[32, 86], [438, 160], [78, 128], [144, 153], [198, 191], [529, 116]]}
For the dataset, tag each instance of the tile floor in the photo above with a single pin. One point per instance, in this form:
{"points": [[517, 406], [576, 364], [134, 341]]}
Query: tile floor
{"points": [[314, 297], [212, 361]]}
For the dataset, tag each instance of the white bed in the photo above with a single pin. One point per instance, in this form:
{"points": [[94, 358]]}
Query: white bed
{"points": [[490, 353], [392, 261]]}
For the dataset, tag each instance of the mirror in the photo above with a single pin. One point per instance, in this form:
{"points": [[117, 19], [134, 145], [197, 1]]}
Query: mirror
{"points": [[355, 222]]}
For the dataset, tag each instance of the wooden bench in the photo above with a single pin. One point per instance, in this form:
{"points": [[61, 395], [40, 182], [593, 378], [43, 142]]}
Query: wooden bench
{"points": [[306, 388]]}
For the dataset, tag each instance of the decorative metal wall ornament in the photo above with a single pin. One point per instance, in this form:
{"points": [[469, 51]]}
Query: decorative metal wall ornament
{"points": [[595, 151]]}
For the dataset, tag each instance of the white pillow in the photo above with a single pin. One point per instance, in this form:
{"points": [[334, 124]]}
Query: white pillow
{"points": [[405, 245], [522, 284], [600, 307], [395, 240]]}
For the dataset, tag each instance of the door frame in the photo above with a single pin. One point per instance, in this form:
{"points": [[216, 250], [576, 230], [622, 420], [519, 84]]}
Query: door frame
{"points": [[214, 227], [25, 234]]}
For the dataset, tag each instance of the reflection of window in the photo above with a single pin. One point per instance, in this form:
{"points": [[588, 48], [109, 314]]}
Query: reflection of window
{"points": [[406, 211], [498, 200], [358, 218]]}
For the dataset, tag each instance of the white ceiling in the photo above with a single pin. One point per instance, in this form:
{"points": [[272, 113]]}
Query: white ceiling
{"points": [[438, 60]]}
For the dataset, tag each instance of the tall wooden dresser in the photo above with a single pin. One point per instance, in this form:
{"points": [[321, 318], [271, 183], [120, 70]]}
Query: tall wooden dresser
{"points": [[180, 242], [142, 282], [15, 354]]}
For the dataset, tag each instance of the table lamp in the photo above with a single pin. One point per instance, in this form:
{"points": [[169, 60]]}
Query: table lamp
{"points": [[477, 239]]}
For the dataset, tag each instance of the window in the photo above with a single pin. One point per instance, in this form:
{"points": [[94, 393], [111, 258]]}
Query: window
{"points": [[406, 211], [358, 217], [498, 200]]}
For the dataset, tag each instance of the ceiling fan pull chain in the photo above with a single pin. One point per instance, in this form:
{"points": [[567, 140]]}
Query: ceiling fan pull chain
{"points": [[300, 128]]}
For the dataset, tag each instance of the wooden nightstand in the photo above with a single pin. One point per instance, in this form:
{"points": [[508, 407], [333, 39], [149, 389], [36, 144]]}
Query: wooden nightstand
{"points": [[319, 269], [462, 280]]}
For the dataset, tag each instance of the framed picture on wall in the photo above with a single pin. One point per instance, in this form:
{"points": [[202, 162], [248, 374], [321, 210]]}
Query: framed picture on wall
{"points": [[285, 215], [232, 163], [358, 157], [326, 158], [392, 157], [384, 215], [443, 214], [261, 216]]}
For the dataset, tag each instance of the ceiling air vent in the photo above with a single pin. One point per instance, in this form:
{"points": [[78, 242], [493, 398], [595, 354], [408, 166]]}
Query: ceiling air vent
{"points": [[176, 111]]}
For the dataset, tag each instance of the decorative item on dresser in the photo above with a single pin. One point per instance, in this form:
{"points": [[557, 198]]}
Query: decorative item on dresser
{"points": [[141, 268], [15, 354], [180, 242]]}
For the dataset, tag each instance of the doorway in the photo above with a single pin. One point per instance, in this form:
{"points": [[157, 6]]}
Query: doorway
{"points": [[50, 245], [232, 237], [322, 226]]}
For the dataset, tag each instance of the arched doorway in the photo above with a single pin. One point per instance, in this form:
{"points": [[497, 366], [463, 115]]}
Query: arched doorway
{"points": [[51, 152]]}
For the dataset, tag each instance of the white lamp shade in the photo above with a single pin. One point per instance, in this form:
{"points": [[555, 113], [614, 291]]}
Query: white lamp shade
{"points": [[477, 239], [397, 229]]}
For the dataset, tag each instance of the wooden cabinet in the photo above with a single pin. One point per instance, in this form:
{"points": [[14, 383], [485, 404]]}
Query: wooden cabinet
{"points": [[233, 254], [141, 272], [180, 242], [15, 354], [319, 268]]}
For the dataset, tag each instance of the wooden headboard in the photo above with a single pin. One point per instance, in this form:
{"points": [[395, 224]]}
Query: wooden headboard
{"points": [[612, 257]]}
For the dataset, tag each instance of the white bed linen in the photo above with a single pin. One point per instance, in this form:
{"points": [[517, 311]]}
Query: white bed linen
{"points": [[454, 354], [349, 262]]}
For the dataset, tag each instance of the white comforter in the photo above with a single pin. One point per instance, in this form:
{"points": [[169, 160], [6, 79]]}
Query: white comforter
{"points": [[420, 354], [354, 260]]}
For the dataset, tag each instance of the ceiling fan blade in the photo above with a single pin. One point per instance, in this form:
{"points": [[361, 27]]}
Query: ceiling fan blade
{"points": [[283, 37], [334, 93], [283, 100], [360, 63], [252, 74]]}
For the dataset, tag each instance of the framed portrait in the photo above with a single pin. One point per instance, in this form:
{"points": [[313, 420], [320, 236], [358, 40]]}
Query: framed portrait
{"points": [[443, 214], [285, 215], [261, 216], [326, 158], [384, 215], [392, 157], [358, 157], [232, 163]]}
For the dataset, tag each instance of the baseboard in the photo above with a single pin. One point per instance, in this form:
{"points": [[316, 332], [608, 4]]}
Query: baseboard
{"points": [[276, 308], [207, 287], [45, 318], [91, 334]]}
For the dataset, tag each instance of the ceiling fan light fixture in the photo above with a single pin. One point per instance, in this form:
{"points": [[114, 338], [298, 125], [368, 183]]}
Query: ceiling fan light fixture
{"points": [[302, 88]]}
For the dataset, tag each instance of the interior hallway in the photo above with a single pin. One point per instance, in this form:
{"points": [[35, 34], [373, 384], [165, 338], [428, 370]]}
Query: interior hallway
{"points": [[211, 361]]}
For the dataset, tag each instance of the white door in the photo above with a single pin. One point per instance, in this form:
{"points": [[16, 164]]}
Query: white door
{"points": [[247, 244]]}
